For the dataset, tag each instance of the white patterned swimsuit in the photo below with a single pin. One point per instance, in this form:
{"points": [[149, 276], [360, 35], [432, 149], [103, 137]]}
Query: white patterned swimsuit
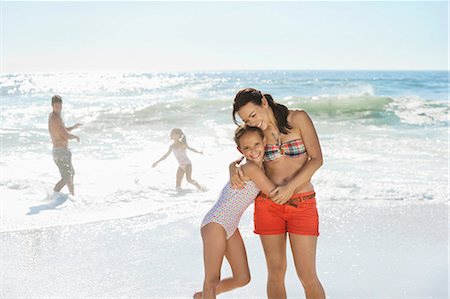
{"points": [[230, 206], [182, 158]]}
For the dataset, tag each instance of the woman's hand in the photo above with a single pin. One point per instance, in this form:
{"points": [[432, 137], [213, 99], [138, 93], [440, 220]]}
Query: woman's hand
{"points": [[282, 194], [236, 176]]}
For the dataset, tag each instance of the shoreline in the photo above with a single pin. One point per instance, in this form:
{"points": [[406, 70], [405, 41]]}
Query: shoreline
{"points": [[375, 202]]}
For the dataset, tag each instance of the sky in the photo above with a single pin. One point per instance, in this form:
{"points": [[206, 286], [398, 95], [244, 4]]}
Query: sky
{"points": [[204, 36]]}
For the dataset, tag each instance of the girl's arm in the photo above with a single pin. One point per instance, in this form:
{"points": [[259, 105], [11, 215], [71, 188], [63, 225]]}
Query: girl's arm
{"points": [[300, 119], [257, 175], [163, 157], [193, 149]]}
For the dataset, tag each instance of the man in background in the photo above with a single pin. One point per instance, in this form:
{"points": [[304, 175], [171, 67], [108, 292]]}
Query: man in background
{"points": [[60, 135]]}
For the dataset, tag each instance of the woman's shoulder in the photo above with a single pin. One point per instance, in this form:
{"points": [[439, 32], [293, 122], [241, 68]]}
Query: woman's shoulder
{"points": [[298, 117], [296, 113]]}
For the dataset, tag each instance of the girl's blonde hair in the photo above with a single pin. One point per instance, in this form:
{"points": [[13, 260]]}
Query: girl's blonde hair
{"points": [[180, 133], [244, 129]]}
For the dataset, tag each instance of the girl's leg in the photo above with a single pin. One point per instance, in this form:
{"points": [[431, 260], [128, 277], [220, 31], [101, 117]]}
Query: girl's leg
{"points": [[237, 257], [214, 247], [275, 252], [180, 174], [189, 177], [304, 252]]}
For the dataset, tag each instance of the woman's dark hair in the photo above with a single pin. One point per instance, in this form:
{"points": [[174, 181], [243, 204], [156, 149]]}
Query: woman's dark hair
{"points": [[247, 95], [244, 129]]}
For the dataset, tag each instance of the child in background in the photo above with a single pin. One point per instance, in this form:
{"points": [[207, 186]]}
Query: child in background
{"points": [[219, 230], [179, 147]]}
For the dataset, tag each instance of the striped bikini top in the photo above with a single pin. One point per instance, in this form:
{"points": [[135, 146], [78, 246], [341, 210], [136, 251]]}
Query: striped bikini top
{"points": [[292, 149]]}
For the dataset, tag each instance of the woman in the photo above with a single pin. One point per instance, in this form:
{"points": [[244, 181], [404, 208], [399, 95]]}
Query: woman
{"points": [[292, 156]]}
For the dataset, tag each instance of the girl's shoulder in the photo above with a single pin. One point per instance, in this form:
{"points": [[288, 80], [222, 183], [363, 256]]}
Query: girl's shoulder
{"points": [[179, 145]]}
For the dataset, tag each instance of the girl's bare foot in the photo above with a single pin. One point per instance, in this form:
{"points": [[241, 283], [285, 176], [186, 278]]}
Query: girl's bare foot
{"points": [[198, 295]]}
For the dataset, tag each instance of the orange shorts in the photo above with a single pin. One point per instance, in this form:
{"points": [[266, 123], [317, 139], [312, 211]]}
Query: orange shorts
{"points": [[300, 217]]}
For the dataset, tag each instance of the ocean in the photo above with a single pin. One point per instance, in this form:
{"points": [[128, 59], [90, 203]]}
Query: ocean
{"points": [[384, 135]]}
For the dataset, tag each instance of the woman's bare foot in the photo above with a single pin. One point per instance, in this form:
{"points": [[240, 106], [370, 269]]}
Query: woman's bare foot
{"points": [[198, 295]]}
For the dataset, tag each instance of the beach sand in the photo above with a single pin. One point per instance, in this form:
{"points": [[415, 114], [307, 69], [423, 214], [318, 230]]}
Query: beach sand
{"points": [[371, 249]]}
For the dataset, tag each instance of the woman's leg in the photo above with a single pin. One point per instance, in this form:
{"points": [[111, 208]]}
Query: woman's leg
{"points": [[189, 177], [237, 257], [304, 253], [180, 174], [275, 252]]}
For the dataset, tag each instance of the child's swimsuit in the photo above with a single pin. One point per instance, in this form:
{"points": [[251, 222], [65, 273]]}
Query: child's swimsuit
{"points": [[230, 206], [182, 158]]}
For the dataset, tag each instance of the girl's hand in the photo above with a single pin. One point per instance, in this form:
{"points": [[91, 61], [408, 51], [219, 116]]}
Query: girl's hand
{"points": [[282, 194], [236, 176]]}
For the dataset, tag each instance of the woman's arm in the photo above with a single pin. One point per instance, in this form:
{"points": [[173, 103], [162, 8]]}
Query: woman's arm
{"points": [[236, 174], [163, 157], [300, 119], [258, 176]]}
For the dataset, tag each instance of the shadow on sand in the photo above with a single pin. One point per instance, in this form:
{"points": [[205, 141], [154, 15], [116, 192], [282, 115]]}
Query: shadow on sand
{"points": [[57, 200]]}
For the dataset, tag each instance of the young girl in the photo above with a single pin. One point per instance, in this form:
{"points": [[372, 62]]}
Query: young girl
{"points": [[179, 147], [219, 230]]}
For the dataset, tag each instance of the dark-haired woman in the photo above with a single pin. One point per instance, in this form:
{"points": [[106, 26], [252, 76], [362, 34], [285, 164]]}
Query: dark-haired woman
{"points": [[292, 156]]}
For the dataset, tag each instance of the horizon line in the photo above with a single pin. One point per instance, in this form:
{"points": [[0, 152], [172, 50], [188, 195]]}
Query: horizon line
{"points": [[226, 70]]}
